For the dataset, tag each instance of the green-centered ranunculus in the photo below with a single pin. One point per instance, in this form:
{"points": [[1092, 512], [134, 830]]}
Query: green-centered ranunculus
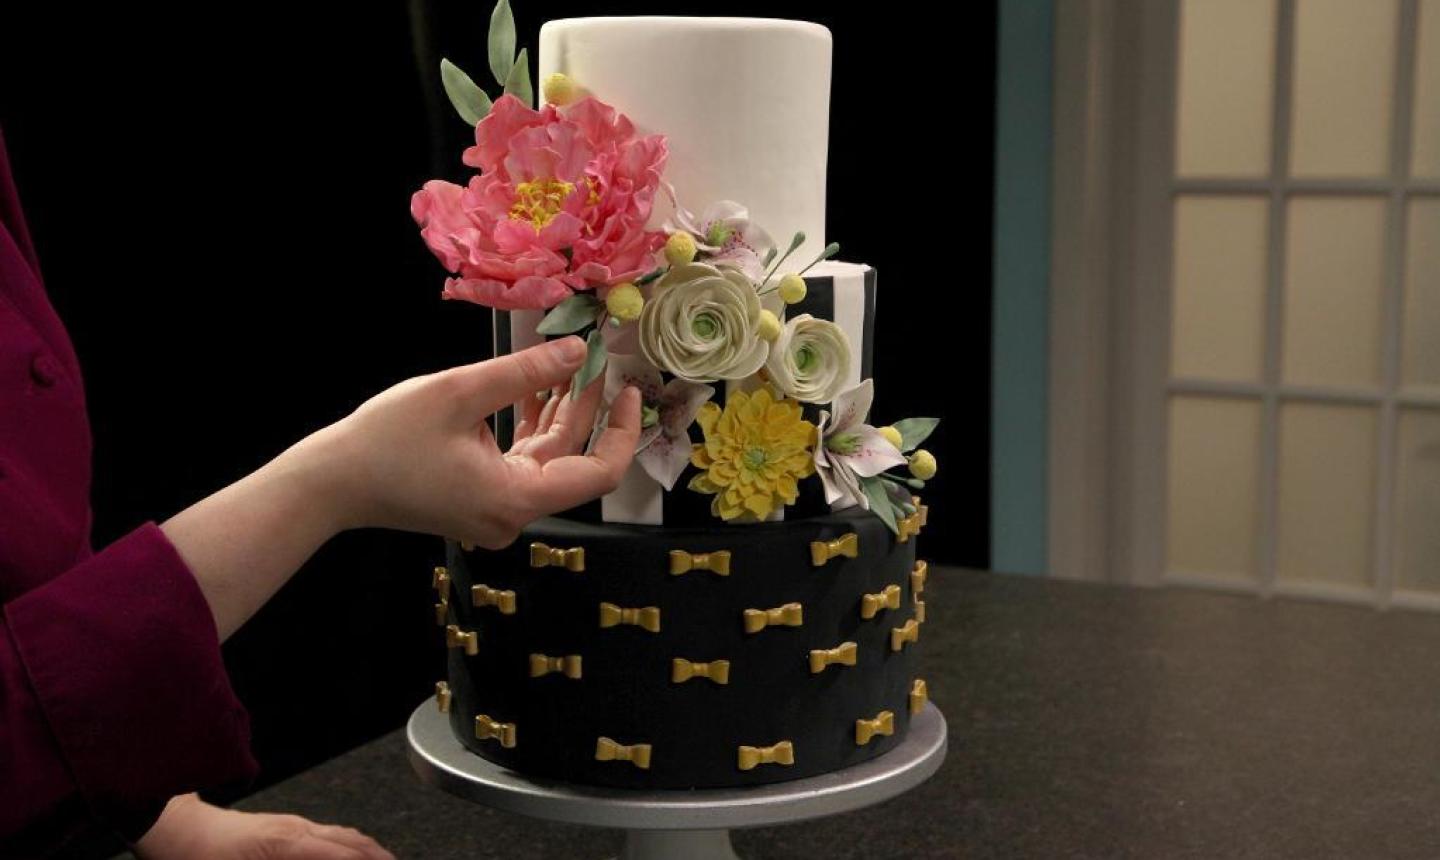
{"points": [[810, 361], [702, 323]]}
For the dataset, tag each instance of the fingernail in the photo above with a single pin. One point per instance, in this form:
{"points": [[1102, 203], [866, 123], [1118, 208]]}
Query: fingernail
{"points": [[571, 348]]}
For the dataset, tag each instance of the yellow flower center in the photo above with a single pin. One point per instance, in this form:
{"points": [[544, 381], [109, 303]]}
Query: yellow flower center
{"points": [[539, 201], [754, 459]]}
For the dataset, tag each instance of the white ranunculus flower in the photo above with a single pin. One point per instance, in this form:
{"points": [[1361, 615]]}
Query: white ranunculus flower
{"points": [[702, 324], [810, 361]]}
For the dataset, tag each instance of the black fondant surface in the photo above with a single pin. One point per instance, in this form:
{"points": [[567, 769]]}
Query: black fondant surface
{"points": [[1086, 721], [626, 693]]}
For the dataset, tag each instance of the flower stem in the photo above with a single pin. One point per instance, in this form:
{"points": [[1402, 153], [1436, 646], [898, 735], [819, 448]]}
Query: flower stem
{"points": [[830, 250], [912, 483], [796, 242]]}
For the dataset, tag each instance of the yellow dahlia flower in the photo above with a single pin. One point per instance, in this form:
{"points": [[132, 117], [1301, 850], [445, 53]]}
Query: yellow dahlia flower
{"points": [[755, 452]]}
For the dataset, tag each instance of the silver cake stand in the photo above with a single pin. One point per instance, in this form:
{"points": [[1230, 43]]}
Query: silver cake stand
{"points": [[665, 825]]}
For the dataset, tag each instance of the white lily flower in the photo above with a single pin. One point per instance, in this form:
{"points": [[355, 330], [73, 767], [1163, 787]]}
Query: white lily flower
{"points": [[850, 449]]}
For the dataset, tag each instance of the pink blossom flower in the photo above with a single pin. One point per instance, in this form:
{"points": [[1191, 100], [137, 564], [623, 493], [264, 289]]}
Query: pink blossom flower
{"points": [[560, 205], [724, 234]]}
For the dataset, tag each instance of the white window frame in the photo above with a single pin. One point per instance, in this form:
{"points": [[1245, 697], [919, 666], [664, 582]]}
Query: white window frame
{"points": [[1110, 291]]}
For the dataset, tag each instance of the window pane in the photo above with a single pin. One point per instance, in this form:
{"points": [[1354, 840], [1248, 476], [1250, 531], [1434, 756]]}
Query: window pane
{"points": [[1417, 511], [1327, 488], [1334, 266], [1227, 54], [1422, 294], [1219, 296], [1344, 70], [1425, 154], [1214, 466]]}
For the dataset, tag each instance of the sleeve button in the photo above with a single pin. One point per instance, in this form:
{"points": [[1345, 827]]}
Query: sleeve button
{"points": [[45, 370]]}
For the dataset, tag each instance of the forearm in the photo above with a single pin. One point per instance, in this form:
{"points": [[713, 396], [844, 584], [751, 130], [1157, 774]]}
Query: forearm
{"points": [[245, 541]]}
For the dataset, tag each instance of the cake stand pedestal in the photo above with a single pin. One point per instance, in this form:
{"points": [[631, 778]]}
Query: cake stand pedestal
{"points": [[665, 825]]}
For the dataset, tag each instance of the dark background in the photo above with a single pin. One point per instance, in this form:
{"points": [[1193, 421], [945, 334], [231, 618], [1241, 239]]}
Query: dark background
{"points": [[219, 194]]}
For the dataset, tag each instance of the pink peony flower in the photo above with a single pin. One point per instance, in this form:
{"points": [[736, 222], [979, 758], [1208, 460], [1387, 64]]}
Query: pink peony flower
{"points": [[560, 205]]}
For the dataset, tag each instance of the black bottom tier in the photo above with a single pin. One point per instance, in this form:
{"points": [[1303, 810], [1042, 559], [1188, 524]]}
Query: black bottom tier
{"points": [[578, 654]]}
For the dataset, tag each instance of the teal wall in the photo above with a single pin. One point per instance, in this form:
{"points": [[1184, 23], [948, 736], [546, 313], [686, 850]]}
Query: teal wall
{"points": [[1022, 270]]}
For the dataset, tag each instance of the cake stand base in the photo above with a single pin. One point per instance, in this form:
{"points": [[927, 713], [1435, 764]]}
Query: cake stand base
{"points": [[662, 825]]}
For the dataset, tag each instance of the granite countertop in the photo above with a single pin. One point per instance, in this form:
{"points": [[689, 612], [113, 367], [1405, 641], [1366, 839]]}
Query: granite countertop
{"points": [[1085, 721]]}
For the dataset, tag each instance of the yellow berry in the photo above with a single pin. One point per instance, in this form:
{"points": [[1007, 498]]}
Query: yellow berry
{"points": [[792, 288], [624, 302], [892, 436], [769, 325], [558, 89], [680, 249], [922, 465]]}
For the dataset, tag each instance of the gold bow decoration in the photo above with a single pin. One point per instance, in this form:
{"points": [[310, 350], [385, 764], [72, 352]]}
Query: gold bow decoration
{"points": [[789, 615], [900, 635], [886, 598], [717, 562], [917, 578], [841, 655], [920, 611], [682, 670], [908, 527], [487, 729], [636, 754], [457, 638], [922, 510], [647, 617], [442, 696], [484, 595], [847, 545], [572, 559], [440, 581], [865, 730], [919, 695], [569, 665], [781, 753]]}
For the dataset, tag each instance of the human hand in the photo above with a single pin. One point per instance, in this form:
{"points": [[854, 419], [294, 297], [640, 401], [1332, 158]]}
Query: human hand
{"points": [[190, 828], [420, 457]]}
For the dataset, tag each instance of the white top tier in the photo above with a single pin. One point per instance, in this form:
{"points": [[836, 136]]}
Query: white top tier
{"points": [[744, 102]]}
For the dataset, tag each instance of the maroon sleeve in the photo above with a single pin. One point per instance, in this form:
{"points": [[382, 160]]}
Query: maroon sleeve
{"points": [[112, 690]]}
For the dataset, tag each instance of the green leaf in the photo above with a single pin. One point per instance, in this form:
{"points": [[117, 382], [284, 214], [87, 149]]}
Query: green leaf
{"points": [[518, 84], [645, 279], [469, 100], [880, 503], [571, 315], [914, 432], [502, 42], [594, 364]]}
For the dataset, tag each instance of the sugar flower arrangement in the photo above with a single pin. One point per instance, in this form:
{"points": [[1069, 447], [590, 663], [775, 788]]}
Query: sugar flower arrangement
{"points": [[557, 219]]}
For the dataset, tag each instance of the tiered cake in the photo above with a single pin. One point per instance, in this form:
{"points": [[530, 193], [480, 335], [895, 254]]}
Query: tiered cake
{"points": [[745, 608]]}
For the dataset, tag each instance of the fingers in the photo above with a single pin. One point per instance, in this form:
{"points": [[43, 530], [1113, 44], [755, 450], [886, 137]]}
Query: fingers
{"points": [[569, 480], [569, 427], [527, 414], [491, 385], [353, 839], [313, 847]]}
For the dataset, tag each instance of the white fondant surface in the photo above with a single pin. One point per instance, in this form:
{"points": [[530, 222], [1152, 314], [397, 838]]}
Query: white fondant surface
{"points": [[744, 103]]}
